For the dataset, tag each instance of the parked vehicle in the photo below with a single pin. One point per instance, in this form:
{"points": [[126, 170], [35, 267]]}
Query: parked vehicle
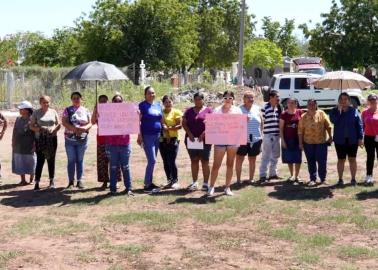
{"points": [[299, 86], [313, 65]]}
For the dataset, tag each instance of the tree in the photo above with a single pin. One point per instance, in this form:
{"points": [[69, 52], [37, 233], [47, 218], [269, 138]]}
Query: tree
{"points": [[15, 46], [219, 32], [262, 53], [62, 49], [282, 35], [162, 32], [348, 35]]}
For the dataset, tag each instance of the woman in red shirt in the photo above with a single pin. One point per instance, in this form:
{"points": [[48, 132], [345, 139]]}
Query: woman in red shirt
{"points": [[291, 153], [370, 122], [102, 158]]}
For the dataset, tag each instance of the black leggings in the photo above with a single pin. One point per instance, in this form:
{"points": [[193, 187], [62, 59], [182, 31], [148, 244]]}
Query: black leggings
{"points": [[371, 147], [50, 163], [168, 153]]}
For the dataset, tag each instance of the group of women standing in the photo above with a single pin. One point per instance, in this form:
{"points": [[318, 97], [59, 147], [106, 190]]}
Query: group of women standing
{"points": [[34, 140]]}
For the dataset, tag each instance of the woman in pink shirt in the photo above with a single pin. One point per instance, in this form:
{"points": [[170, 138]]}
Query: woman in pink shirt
{"points": [[370, 122], [118, 149]]}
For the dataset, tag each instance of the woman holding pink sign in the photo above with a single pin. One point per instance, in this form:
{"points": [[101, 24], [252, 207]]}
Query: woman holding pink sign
{"points": [[370, 122], [118, 149], [102, 158], [221, 150]]}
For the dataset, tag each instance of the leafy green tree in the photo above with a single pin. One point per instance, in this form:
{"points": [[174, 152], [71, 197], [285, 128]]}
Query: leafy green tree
{"points": [[348, 35], [15, 46], [263, 53], [282, 35], [162, 32], [219, 32]]}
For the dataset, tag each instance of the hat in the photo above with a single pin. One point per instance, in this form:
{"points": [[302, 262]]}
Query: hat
{"points": [[25, 105], [372, 97]]}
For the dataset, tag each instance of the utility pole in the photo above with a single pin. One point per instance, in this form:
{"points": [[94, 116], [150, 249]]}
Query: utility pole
{"points": [[241, 44]]}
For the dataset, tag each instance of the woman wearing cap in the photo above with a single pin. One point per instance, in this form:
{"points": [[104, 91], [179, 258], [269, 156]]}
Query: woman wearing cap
{"points": [[291, 154], [193, 123], [45, 123], [23, 148], [347, 136], [118, 149], [169, 144], [312, 132], [102, 158], [150, 128], [370, 123], [221, 150], [254, 135], [77, 121]]}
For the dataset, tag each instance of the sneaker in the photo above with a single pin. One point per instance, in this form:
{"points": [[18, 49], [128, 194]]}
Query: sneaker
{"points": [[263, 180], [340, 182], [323, 182], [129, 193], [275, 177], [193, 186], [36, 186], [112, 193], [151, 188], [312, 183], [52, 184], [70, 185], [168, 185], [205, 187], [353, 182], [176, 185], [211, 191], [80, 185], [228, 192], [368, 180], [291, 179]]}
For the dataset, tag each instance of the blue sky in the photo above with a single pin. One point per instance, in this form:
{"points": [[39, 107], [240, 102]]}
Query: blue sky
{"points": [[46, 15]]}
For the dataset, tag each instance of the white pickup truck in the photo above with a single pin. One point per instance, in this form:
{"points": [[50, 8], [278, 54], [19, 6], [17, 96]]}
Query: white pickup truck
{"points": [[299, 86]]}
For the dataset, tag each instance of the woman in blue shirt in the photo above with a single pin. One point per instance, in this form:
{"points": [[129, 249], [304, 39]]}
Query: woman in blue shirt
{"points": [[150, 129], [347, 135]]}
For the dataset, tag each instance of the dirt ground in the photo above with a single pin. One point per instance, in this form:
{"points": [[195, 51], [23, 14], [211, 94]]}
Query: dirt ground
{"points": [[278, 226]]}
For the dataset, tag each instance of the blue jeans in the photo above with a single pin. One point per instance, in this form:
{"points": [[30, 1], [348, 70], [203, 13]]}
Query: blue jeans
{"points": [[119, 156], [151, 148], [75, 154], [316, 155]]}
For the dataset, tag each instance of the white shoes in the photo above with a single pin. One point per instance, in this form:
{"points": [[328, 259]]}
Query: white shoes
{"points": [[211, 191], [176, 186], [228, 192], [193, 186], [369, 180]]}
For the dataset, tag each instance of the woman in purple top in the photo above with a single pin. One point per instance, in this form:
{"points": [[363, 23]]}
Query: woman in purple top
{"points": [[150, 129], [194, 126]]}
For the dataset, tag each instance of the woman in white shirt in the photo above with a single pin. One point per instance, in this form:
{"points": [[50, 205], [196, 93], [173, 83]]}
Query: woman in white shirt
{"points": [[220, 150]]}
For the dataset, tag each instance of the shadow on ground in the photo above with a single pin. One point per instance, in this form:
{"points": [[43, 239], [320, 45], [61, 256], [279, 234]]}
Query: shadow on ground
{"points": [[290, 192], [366, 195]]}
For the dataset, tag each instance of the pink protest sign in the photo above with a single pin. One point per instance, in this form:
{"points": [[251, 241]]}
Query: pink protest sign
{"points": [[118, 119], [228, 129]]}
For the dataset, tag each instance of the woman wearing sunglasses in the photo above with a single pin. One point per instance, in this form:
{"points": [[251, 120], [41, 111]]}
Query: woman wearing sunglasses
{"points": [[220, 150], [370, 123]]}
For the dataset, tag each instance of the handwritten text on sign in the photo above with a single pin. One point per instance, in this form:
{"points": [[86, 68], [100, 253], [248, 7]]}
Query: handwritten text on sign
{"points": [[227, 129], [118, 119]]}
